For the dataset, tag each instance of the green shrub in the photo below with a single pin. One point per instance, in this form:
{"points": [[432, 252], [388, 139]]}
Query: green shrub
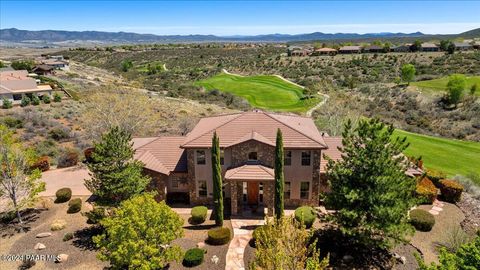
{"points": [[63, 195], [96, 215], [67, 237], [74, 206], [35, 100], [46, 99], [25, 101], [305, 215], [57, 97], [435, 176], [6, 103], [58, 134], [426, 191], [257, 231], [8, 217], [13, 122], [199, 214], [193, 257], [422, 220], [451, 190], [218, 236]]}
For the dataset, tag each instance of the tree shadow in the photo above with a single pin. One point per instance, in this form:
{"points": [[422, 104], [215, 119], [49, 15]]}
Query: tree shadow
{"points": [[198, 227], [83, 237], [9, 228]]}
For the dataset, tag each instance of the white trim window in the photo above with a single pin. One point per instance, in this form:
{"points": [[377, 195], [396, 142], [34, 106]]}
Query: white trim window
{"points": [[201, 157], [287, 159]]}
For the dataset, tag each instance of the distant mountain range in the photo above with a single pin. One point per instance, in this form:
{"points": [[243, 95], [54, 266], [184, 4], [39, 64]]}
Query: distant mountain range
{"points": [[59, 37]]}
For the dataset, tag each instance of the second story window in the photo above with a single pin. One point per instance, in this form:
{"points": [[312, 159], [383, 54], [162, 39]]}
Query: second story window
{"points": [[222, 157], [306, 156], [200, 157], [288, 158], [252, 156]]}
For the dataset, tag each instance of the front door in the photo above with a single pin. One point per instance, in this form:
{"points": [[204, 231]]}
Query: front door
{"points": [[252, 193]]}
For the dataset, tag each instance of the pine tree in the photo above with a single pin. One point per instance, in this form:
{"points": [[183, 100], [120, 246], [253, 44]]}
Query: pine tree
{"points": [[279, 178], [115, 175], [217, 180], [369, 187]]}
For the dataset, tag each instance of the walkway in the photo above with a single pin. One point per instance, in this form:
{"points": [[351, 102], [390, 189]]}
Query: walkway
{"points": [[71, 177], [437, 207], [242, 233]]}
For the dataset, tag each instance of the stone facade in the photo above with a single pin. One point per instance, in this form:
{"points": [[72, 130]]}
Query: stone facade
{"points": [[269, 196], [159, 183], [265, 153], [192, 184]]}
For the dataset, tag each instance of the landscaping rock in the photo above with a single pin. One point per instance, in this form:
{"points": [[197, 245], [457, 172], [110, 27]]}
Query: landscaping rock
{"points": [[62, 258], [347, 258], [200, 244], [43, 235], [403, 260], [39, 246]]}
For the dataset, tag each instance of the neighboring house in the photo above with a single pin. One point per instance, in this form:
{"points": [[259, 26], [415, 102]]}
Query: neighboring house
{"points": [[15, 84], [374, 49], [462, 46], [402, 48], [302, 52], [325, 51], [350, 49], [57, 64], [180, 166], [43, 70], [429, 47]]}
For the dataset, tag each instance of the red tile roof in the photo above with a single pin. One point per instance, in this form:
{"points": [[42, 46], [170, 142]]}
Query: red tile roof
{"points": [[332, 151], [161, 154], [298, 132], [250, 172]]}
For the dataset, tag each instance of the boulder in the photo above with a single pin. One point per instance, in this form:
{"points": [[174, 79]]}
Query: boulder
{"points": [[39, 246], [43, 235], [200, 244], [347, 258], [62, 258]]}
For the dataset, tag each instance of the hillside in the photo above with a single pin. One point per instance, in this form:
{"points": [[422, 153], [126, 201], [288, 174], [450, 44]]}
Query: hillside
{"points": [[440, 85]]}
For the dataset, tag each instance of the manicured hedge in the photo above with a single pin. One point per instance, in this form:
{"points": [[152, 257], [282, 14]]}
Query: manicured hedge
{"points": [[199, 214], [193, 257], [435, 176], [422, 220], [305, 215], [74, 206], [218, 236], [63, 195], [426, 191], [43, 164], [451, 190]]}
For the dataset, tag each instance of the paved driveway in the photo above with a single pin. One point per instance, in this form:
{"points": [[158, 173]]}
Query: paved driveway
{"points": [[72, 177]]}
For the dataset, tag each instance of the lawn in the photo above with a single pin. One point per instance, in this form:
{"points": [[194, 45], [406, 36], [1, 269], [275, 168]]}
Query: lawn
{"points": [[439, 85], [451, 156], [262, 91]]}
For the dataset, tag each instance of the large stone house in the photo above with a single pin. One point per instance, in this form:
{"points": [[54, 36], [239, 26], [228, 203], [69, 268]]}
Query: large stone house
{"points": [[180, 166]]}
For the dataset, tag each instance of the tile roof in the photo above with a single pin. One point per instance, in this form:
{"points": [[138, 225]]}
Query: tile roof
{"points": [[298, 132], [332, 151], [250, 172], [350, 48], [17, 81], [161, 154]]}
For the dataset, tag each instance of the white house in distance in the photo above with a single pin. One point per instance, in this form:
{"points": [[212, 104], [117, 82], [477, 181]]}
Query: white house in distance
{"points": [[14, 84], [55, 61]]}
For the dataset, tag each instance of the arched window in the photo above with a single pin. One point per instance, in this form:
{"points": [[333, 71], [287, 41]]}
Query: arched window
{"points": [[252, 156]]}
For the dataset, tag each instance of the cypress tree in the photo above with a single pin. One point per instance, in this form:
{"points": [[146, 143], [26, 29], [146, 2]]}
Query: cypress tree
{"points": [[279, 179], [217, 181]]}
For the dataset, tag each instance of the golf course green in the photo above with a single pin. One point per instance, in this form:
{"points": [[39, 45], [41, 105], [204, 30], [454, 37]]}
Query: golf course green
{"points": [[440, 85], [262, 91], [447, 155]]}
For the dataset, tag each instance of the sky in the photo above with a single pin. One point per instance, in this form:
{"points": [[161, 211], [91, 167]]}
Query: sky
{"points": [[242, 17]]}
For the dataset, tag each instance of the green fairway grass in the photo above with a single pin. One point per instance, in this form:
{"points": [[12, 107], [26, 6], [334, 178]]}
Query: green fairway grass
{"points": [[262, 91], [440, 85], [451, 156]]}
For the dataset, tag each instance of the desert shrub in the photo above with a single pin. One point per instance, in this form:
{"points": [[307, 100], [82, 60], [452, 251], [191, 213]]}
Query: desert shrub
{"points": [[63, 195], [422, 220], [193, 257], [305, 215], [88, 154], [46, 99], [426, 191], [68, 236], [46, 148], [456, 237], [35, 100], [435, 176], [58, 134], [43, 164], [218, 236], [469, 185], [57, 97], [27, 264], [96, 215], [199, 214], [58, 225], [12, 122], [6, 103], [46, 203], [25, 101], [7, 217], [74, 206], [451, 190], [68, 158]]}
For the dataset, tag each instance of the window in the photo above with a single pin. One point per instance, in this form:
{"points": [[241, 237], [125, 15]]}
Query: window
{"points": [[222, 157], [286, 190], [17, 97], [202, 188], [201, 157], [304, 190], [288, 158], [306, 158], [175, 183], [252, 156], [260, 192]]}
